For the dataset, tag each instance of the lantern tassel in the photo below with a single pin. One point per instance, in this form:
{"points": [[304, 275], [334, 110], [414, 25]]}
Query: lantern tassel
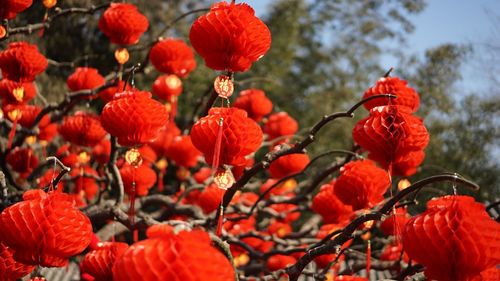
{"points": [[368, 259], [160, 181], [12, 133], [218, 232], [218, 144]]}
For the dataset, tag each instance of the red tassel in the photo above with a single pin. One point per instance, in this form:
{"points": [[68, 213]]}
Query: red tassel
{"points": [[160, 181], [368, 259], [218, 144], [12, 133], [218, 232]]}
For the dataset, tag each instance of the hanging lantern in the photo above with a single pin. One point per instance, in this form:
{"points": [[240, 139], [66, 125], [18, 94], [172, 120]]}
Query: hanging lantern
{"points": [[10, 8], [21, 62], [183, 152], [280, 125], [393, 225], [226, 136], [255, 103], [230, 37], [84, 181], [277, 262], [172, 56], [324, 260], [284, 188], [123, 24], [361, 184], [210, 198], [331, 209], [99, 262], [187, 256], [85, 78], [167, 87], [22, 160], [102, 151], [390, 131], [10, 269], [133, 117], [137, 180], [288, 165], [82, 129], [45, 229], [164, 139], [405, 96], [454, 239], [16, 93]]}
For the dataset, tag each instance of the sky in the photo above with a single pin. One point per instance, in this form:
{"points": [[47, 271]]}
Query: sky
{"points": [[445, 21]]}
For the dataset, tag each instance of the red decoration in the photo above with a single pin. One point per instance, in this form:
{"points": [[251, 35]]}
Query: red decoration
{"points": [[210, 198], [108, 94], [288, 165], [331, 209], [22, 160], [133, 117], [277, 262], [84, 182], [406, 96], [280, 229], [82, 129], [16, 93], [280, 125], [10, 8], [255, 103], [224, 86], [164, 138], [230, 37], [21, 62], [167, 87], [389, 132], [350, 278], [45, 229], [85, 78], [393, 225], [324, 260], [123, 24], [183, 152], [99, 262], [172, 56], [407, 164], [241, 136], [143, 176], [186, 256], [284, 188], [361, 184], [101, 151], [10, 269], [455, 239]]}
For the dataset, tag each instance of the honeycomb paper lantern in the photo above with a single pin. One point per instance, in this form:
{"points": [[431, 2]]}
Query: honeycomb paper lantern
{"points": [[172, 56], [142, 176], [15, 92], [182, 151], [10, 269], [276, 262], [255, 103], [84, 182], [22, 62], [288, 165], [10, 8], [22, 160], [123, 24], [45, 229], [85, 78], [109, 93], [164, 139], [83, 129], [455, 239], [167, 87], [99, 262], [230, 37], [406, 96], [210, 198], [331, 209], [280, 125]]}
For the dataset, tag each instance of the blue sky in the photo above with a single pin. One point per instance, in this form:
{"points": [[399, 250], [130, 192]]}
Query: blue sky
{"points": [[445, 21]]}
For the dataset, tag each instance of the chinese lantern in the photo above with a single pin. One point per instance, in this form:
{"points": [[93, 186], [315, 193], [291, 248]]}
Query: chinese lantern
{"points": [[277, 262], [210, 198], [21, 62], [278, 228], [406, 164], [255, 103], [123, 24], [108, 94], [288, 165], [137, 180], [83, 181], [133, 117], [226, 136], [406, 96], [102, 151], [22, 160], [15, 92], [455, 239], [230, 37], [361, 184], [172, 56], [167, 87], [284, 188], [10, 269], [331, 209], [324, 260], [289, 211], [187, 256], [99, 262], [45, 229], [182, 151], [83, 129], [164, 138], [393, 225], [10, 8], [280, 125], [85, 78]]}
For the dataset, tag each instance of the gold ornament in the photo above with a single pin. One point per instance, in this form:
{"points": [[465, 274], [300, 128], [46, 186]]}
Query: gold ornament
{"points": [[122, 55], [133, 157]]}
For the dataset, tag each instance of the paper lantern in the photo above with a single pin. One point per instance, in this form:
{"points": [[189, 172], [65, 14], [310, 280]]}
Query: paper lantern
{"points": [[280, 125], [255, 103], [22, 160], [134, 118], [277, 262], [406, 164], [324, 260], [393, 225], [455, 239], [10, 269], [283, 188], [15, 92], [288, 165], [186, 256], [10, 8], [21, 62], [164, 138], [99, 262], [45, 229], [210, 198], [167, 87], [123, 24], [83, 181], [182, 151], [230, 37], [142, 176], [172, 56], [83, 129], [331, 209], [406, 96], [85, 78], [239, 136], [102, 151], [361, 184]]}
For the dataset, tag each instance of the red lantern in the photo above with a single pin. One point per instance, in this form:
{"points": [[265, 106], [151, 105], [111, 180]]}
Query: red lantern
{"points": [[123, 24], [186, 256], [280, 125], [239, 136], [10, 8], [324, 260], [288, 165], [82, 129], [108, 94], [172, 56], [455, 239], [230, 37], [84, 182], [361, 184], [134, 118], [331, 209], [210, 198], [22, 160], [255, 103], [406, 96], [393, 225], [102, 151], [182, 151], [21, 62], [99, 262], [27, 115], [164, 138], [279, 228], [406, 164], [277, 262], [167, 87], [10, 269], [142, 176], [16, 93], [284, 188], [45, 229], [85, 78], [47, 133], [390, 131]]}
